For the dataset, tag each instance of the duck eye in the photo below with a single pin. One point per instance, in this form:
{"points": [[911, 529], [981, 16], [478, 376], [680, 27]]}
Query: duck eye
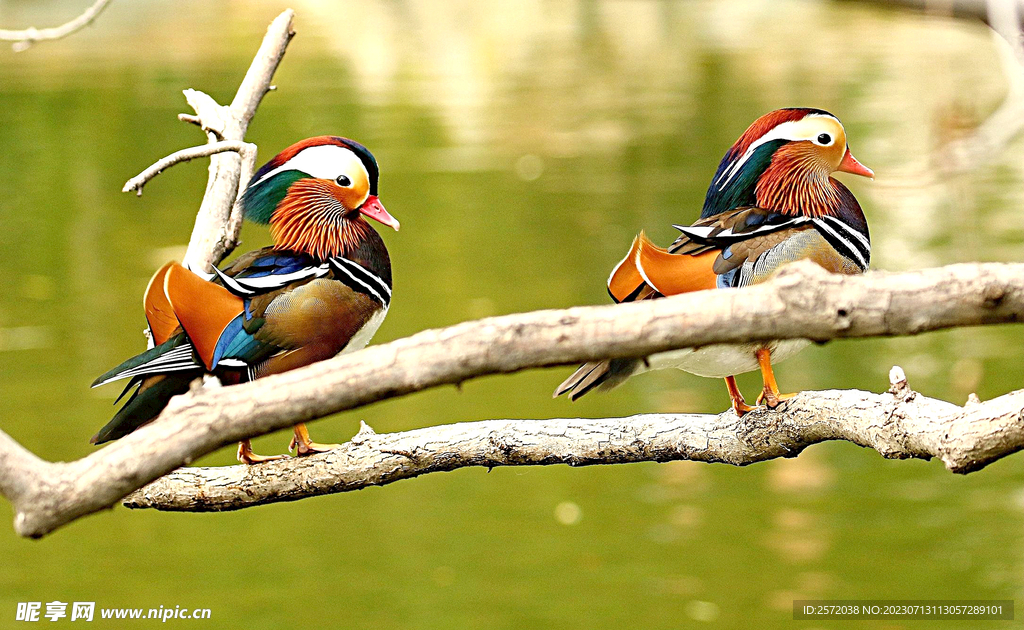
{"points": [[824, 138], [343, 180]]}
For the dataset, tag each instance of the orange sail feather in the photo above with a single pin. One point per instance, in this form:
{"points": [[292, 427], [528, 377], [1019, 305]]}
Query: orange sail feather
{"points": [[203, 308]]}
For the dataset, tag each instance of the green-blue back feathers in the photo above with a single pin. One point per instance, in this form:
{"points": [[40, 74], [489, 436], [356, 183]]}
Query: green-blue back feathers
{"points": [[741, 189]]}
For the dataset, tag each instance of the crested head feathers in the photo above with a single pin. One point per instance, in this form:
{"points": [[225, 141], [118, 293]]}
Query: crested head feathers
{"points": [[784, 162], [323, 157], [312, 194], [319, 163], [760, 127]]}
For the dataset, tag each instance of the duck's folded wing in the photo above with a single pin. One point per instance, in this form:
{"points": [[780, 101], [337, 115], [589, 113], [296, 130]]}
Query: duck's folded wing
{"points": [[732, 249], [700, 256], [227, 317], [267, 270], [733, 226]]}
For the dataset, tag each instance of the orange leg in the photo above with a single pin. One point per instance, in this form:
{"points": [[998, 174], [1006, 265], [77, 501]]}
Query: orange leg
{"points": [[739, 405], [304, 446], [246, 456], [770, 394]]}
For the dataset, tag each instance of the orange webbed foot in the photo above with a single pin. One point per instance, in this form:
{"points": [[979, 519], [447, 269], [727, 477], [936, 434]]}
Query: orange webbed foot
{"points": [[741, 408], [772, 399], [770, 395]]}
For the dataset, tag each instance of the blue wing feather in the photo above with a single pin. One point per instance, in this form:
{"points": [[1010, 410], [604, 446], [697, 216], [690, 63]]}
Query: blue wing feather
{"points": [[276, 263], [237, 344]]}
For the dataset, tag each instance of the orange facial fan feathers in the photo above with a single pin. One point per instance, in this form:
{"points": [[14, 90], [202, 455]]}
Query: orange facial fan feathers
{"points": [[310, 220], [798, 184]]}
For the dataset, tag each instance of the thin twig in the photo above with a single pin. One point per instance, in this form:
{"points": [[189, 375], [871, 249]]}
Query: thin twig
{"points": [[23, 39], [245, 149], [192, 119]]}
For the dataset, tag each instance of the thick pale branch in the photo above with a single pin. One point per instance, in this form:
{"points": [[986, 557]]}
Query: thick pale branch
{"points": [[897, 424], [23, 39], [801, 301], [18, 468], [245, 149]]}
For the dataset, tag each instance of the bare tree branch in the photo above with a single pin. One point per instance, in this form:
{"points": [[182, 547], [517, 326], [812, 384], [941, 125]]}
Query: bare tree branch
{"points": [[219, 219], [801, 301], [23, 39], [245, 149], [18, 468], [898, 424]]}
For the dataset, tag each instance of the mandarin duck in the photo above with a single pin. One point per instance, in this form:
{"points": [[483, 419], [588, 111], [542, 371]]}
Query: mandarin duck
{"points": [[322, 289], [771, 202]]}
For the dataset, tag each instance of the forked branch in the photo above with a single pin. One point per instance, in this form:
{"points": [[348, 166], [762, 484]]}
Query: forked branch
{"points": [[802, 301], [245, 149]]}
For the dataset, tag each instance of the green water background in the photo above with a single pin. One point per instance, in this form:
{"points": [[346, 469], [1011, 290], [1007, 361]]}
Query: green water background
{"points": [[522, 145]]}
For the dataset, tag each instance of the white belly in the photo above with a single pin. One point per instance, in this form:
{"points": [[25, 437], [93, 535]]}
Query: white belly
{"points": [[719, 361], [361, 338]]}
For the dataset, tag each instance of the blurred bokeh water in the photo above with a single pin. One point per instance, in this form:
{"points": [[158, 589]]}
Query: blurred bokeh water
{"points": [[522, 143]]}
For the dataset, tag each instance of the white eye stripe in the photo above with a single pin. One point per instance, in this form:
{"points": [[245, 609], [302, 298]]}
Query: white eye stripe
{"points": [[325, 161], [791, 131]]}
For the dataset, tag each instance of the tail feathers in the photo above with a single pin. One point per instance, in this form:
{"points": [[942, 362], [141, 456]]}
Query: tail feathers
{"points": [[603, 374], [174, 355], [145, 403]]}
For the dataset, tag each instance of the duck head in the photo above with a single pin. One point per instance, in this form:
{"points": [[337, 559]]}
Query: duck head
{"points": [[784, 162], [314, 195]]}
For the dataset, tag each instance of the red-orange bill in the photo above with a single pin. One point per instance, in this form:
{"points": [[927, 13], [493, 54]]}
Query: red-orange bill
{"points": [[851, 165], [373, 208]]}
